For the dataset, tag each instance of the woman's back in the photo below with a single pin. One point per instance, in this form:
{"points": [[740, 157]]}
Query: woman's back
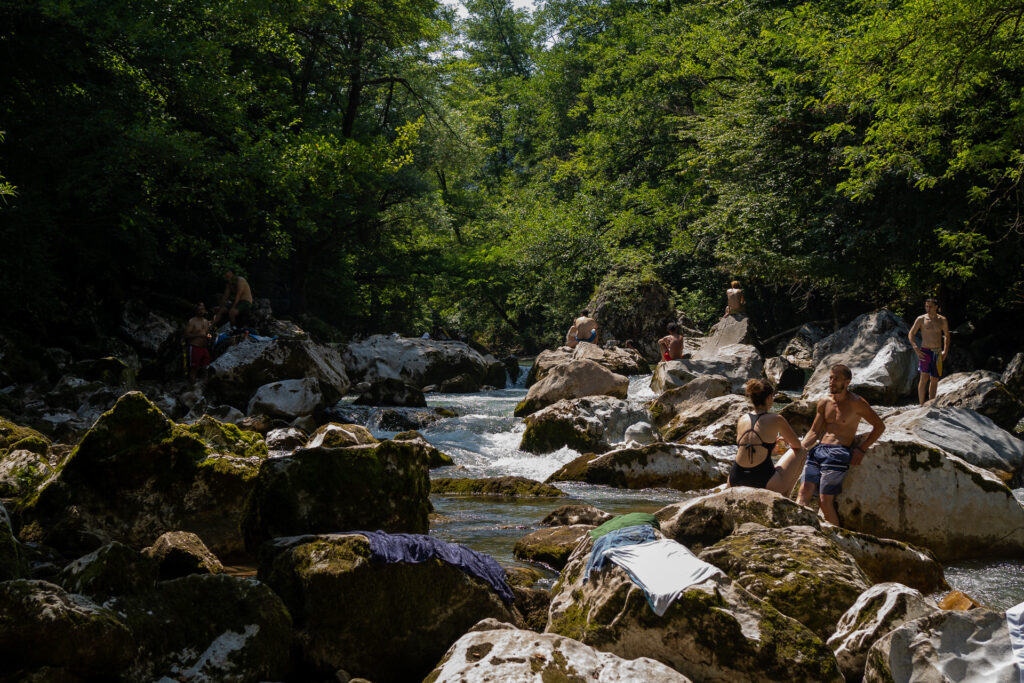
{"points": [[756, 436]]}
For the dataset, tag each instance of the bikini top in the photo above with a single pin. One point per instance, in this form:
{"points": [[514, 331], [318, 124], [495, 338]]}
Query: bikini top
{"points": [[768, 446]]}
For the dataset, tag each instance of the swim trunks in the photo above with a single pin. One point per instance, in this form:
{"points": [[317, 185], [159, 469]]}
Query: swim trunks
{"points": [[827, 465], [593, 336], [666, 356], [198, 356], [931, 364]]}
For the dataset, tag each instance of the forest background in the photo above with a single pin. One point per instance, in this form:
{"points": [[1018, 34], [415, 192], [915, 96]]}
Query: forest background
{"points": [[396, 165]]}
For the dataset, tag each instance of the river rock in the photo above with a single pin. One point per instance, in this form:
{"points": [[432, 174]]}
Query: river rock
{"points": [[533, 605], [672, 374], [958, 600], [982, 392], [798, 570], [945, 646], [238, 372], [878, 610], [617, 359], [67, 636], [884, 560], [964, 433], [493, 651], [545, 361], [16, 437], [353, 615], [136, 474], [704, 521], [551, 546], [736, 362], [800, 414], [21, 472], [334, 435], [591, 424], [729, 330], [576, 514], [287, 399], [709, 423], [145, 329], [392, 391], [404, 419], [435, 457], [911, 491], [113, 569], [180, 553], [660, 465], [783, 374], [800, 349], [12, 558], [421, 362], [574, 379], [694, 392], [286, 439], [876, 349], [513, 487], [714, 631], [633, 308], [1013, 376], [322, 490]]}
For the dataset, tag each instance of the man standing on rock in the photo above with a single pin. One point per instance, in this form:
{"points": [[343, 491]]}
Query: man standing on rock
{"points": [[237, 299], [836, 446], [735, 301], [197, 342], [584, 329], [671, 345], [934, 329]]}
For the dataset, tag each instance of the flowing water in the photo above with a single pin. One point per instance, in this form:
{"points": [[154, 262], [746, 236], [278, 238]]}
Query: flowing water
{"points": [[484, 442]]}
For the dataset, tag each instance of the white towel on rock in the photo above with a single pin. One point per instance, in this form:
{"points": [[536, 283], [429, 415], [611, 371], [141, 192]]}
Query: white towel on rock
{"points": [[1015, 624], [662, 569]]}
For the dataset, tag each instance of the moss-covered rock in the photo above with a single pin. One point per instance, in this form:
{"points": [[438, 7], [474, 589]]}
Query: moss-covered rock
{"points": [[524, 577], [887, 560], [437, 458], [576, 514], [324, 490], [334, 435], [659, 465], [12, 559], [21, 473], [114, 569], [797, 570], [180, 553], [353, 615], [228, 439], [12, 435], [550, 546], [514, 487]]}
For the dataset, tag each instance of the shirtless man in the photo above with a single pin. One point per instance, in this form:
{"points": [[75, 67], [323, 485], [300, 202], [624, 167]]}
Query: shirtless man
{"points": [[934, 329], [736, 302], [671, 345], [835, 424], [197, 340], [237, 297], [586, 328]]}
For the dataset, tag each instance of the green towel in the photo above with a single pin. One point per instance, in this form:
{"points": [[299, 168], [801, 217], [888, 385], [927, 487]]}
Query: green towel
{"points": [[622, 521]]}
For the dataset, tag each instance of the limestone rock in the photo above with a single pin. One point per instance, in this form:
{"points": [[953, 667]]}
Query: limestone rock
{"points": [[14, 437], [576, 514], [21, 472], [885, 560], [353, 615], [334, 435], [617, 359], [878, 610], [147, 330], [546, 361], [392, 391], [704, 521], [286, 439], [910, 491], [113, 569], [575, 379], [695, 392], [516, 487], [228, 439], [672, 374], [323, 490], [523, 577], [982, 392], [729, 330], [180, 553], [589, 425], [797, 570], [800, 349], [493, 651], [959, 601], [12, 557], [435, 457], [736, 362], [551, 546], [287, 399], [800, 414], [633, 308], [660, 465], [875, 348], [421, 362], [640, 433], [783, 374], [532, 604], [1013, 376], [709, 423]]}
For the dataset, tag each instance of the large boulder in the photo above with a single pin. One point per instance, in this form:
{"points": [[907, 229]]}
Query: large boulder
{"points": [[945, 646], [637, 308], [798, 570], [493, 651], [136, 475], [551, 546], [393, 391], [878, 610], [714, 631], [546, 361], [576, 514], [911, 491], [334, 435], [180, 553], [709, 423], [353, 615], [694, 392], [673, 374], [729, 330], [17, 437], [574, 379], [982, 392], [876, 349], [589, 425], [799, 350], [245, 367], [617, 359], [736, 362], [504, 487], [288, 399], [422, 362], [783, 374], [13, 563], [660, 465], [964, 433], [800, 414], [112, 570], [1013, 376], [323, 490], [884, 560], [21, 472]]}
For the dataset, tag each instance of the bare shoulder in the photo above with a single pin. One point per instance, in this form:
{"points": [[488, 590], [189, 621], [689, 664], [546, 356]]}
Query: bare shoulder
{"points": [[944, 321], [861, 405]]}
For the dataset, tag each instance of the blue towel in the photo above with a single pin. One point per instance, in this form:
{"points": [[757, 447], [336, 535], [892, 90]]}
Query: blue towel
{"points": [[388, 548], [629, 535]]}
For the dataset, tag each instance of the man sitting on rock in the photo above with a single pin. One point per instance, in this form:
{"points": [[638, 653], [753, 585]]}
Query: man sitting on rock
{"points": [[237, 299], [584, 329], [934, 329], [838, 447], [671, 345], [735, 301]]}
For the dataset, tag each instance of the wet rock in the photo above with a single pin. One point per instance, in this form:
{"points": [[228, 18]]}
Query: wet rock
{"points": [[783, 374], [21, 472], [576, 514], [353, 615], [421, 362], [436, 457], [322, 490], [523, 577], [113, 569], [575, 379], [13, 563], [640, 433], [516, 487], [287, 399], [551, 546], [911, 491], [286, 439], [694, 393], [511, 365], [180, 553], [878, 610], [493, 651], [875, 348], [392, 391], [709, 423], [797, 570], [982, 392], [588, 424], [660, 465], [334, 435], [704, 521], [464, 383], [404, 419], [885, 560]]}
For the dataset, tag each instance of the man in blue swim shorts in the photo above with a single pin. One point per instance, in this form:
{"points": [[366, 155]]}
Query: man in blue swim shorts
{"points": [[934, 348], [584, 329], [836, 446]]}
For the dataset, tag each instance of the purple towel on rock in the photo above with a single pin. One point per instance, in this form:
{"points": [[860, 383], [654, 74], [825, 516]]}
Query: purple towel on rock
{"points": [[388, 548]]}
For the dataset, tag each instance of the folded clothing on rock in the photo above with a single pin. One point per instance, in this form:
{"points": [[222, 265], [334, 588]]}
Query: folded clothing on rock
{"points": [[622, 521], [388, 548], [662, 569], [630, 535]]}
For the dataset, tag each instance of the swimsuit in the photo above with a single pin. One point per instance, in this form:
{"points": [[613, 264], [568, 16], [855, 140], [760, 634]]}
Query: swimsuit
{"points": [[827, 465], [932, 364], [593, 336], [757, 476], [198, 356]]}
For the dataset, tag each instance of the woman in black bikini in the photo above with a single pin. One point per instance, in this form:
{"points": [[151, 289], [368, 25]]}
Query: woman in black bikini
{"points": [[758, 432]]}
